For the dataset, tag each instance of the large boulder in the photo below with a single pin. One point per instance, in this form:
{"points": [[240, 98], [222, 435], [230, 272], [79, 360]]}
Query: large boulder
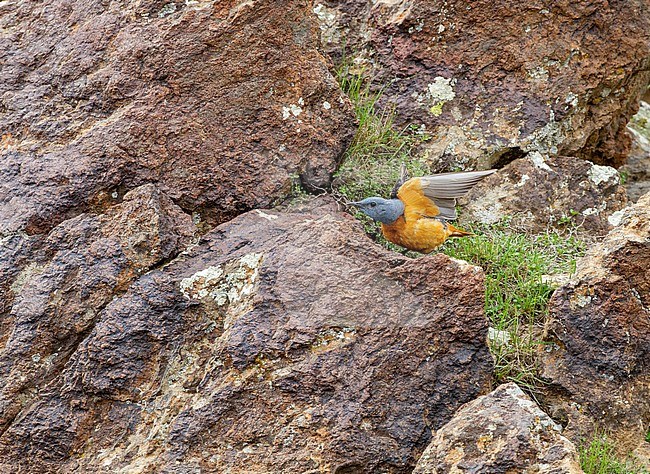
{"points": [[282, 342], [220, 103], [597, 361], [536, 193], [490, 81], [504, 431]]}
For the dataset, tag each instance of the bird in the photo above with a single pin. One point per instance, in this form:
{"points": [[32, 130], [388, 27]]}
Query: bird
{"points": [[416, 217]]}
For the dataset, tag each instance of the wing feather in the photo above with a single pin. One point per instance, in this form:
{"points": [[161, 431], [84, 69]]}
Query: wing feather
{"points": [[451, 185], [444, 188]]}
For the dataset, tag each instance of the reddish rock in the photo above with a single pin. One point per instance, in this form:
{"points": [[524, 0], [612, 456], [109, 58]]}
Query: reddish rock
{"points": [[536, 192], [598, 357], [283, 342], [54, 301], [219, 103], [503, 431], [491, 81]]}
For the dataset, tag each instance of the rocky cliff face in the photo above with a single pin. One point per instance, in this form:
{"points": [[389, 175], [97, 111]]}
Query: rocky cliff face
{"points": [[280, 343], [160, 314], [598, 360]]}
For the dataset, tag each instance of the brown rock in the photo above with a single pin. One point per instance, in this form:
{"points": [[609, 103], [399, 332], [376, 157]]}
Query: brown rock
{"points": [[537, 192], [598, 359], [491, 81], [502, 432], [284, 342], [219, 103], [54, 301], [345, 29]]}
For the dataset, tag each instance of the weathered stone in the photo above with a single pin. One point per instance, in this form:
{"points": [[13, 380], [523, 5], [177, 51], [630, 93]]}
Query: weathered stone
{"points": [[537, 192], [283, 342], [505, 432], [598, 357], [345, 29], [637, 168], [491, 81], [219, 103], [54, 300]]}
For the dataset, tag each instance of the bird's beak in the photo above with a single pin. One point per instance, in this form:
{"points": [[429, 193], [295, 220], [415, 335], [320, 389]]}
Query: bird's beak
{"points": [[356, 204]]}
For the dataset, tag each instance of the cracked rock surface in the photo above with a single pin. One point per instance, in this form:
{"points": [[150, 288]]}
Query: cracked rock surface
{"points": [[53, 303]]}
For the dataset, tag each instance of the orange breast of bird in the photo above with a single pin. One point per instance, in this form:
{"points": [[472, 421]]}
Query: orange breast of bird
{"points": [[417, 229]]}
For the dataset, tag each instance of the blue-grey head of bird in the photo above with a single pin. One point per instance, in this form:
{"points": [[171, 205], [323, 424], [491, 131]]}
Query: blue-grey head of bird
{"points": [[385, 211]]}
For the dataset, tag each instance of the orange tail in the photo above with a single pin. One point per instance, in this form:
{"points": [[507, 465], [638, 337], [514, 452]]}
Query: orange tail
{"points": [[456, 232]]}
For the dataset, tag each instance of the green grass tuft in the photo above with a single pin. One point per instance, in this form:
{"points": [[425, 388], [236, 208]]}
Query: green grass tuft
{"points": [[599, 457], [372, 162], [517, 290]]}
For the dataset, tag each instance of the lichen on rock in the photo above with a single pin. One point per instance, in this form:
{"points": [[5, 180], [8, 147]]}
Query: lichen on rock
{"points": [[226, 284], [523, 78], [538, 191]]}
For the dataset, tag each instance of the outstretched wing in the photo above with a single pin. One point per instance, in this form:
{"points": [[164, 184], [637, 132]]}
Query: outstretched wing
{"points": [[436, 195]]}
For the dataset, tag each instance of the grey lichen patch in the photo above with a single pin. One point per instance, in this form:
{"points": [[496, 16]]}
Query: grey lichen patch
{"points": [[548, 138], [28, 272], [541, 426], [487, 209], [616, 218], [571, 99], [419, 25], [602, 174], [293, 110], [538, 73], [438, 93], [326, 16], [167, 10], [225, 284], [328, 22], [581, 298], [539, 162], [332, 337]]}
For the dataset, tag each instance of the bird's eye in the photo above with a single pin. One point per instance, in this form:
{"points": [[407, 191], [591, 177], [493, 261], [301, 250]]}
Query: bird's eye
{"points": [[373, 204]]}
